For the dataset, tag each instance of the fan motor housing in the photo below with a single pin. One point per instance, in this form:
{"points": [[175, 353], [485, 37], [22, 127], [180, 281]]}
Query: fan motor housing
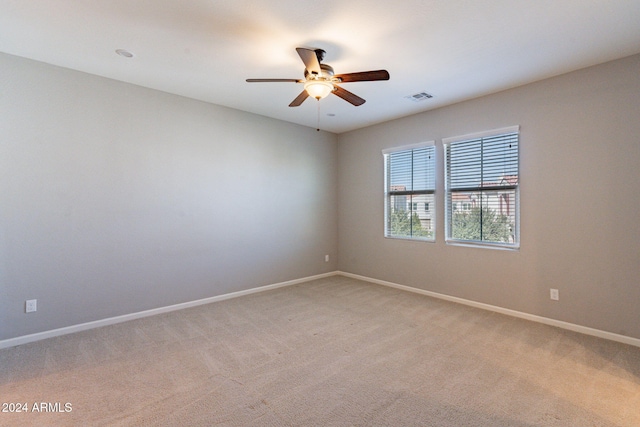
{"points": [[327, 72]]}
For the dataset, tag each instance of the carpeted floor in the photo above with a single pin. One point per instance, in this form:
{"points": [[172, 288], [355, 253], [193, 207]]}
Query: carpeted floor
{"points": [[332, 352]]}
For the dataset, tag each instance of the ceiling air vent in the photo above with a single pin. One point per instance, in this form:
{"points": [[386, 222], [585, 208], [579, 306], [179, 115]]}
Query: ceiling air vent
{"points": [[418, 97]]}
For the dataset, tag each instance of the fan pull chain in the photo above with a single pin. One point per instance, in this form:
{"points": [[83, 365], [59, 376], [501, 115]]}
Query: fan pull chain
{"points": [[318, 126]]}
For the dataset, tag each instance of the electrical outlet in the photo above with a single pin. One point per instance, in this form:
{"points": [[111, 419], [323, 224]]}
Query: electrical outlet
{"points": [[31, 305], [554, 294], [326, 258]]}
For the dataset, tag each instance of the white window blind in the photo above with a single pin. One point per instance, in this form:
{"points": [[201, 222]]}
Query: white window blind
{"points": [[409, 192], [482, 188]]}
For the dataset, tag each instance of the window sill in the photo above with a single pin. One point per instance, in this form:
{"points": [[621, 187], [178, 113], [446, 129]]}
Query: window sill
{"points": [[484, 246], [410, 239]]}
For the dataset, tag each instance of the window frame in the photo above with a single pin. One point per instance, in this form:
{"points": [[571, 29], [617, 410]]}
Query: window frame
{"points": [[388, 193], [448, 191]]}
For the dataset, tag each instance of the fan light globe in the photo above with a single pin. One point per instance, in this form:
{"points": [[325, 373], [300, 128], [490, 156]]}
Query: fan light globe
{"points": [[318, 88]]}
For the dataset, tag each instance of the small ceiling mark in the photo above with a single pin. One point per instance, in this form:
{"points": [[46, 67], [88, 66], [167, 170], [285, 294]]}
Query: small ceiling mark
{"points": [[125, 53]]}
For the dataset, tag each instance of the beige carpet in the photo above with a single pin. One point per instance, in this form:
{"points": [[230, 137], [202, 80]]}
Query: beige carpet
{"points": [[332, 352]]}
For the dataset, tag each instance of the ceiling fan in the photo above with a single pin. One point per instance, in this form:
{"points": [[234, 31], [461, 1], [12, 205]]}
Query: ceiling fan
{"points": [[320, 80]]}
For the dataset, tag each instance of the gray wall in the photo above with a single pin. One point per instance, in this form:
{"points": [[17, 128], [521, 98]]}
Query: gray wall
{"points": [[116, 199], [580, 221]]}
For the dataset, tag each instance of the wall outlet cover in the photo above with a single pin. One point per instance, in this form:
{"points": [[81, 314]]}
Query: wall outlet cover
{"points": [[31, 305]]}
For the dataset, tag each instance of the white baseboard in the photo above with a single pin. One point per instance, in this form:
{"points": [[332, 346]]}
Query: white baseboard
{"points": [[11, 342], [545, 320]]}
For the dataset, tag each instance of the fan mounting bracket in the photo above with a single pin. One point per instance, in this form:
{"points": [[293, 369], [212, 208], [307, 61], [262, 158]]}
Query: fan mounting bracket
{"points": [[320, 53]]}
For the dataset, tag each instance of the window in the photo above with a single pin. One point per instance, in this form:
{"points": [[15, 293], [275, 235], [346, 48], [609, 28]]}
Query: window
{"points": [[410, 183], [481, 176]]}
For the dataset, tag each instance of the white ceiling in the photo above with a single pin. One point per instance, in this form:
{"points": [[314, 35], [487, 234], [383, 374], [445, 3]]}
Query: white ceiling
{"points": [[205, 49]]}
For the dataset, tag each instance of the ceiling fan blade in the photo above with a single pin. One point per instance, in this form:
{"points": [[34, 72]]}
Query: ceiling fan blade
{"points": [[363, 76], [299, 99], [310, 59], [274, 80], [348, 96]]}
